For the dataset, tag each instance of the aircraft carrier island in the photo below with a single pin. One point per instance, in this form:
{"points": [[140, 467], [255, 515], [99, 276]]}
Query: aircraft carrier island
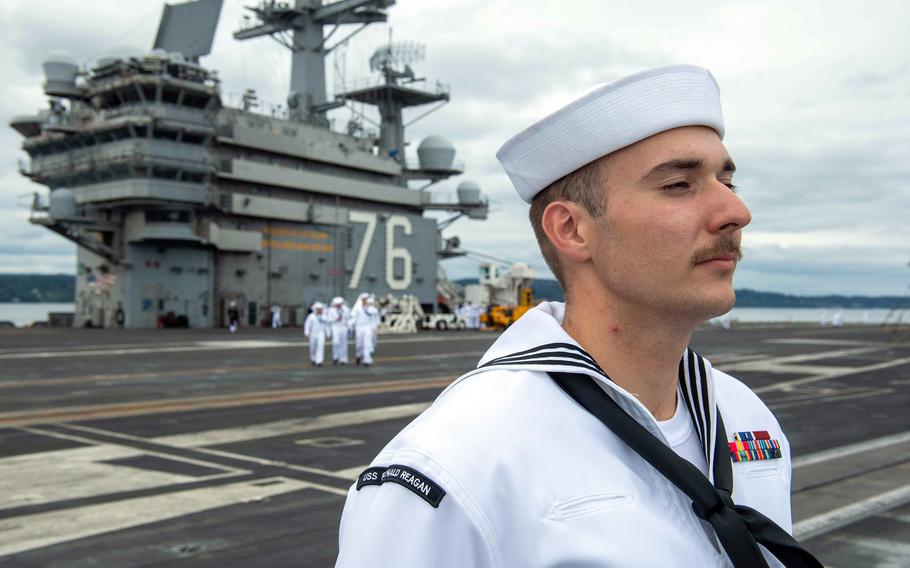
{"points": [[181, 204]]}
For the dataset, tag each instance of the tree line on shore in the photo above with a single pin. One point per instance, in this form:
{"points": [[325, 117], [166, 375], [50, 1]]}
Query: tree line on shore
{"points": [[548, 289], [30, 288]]}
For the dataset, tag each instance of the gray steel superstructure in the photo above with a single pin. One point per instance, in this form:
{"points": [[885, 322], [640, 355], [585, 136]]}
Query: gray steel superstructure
{"points": [[180, 204]]}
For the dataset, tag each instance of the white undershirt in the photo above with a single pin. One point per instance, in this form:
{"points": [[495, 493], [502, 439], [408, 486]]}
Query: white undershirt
{"points": [[680, 433]]}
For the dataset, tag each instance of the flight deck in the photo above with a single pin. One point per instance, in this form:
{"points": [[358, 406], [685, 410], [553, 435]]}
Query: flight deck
{"points": [[144, 447]]}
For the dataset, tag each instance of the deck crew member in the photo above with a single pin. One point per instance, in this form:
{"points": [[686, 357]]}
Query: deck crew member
{"points": [[233, 316], [315, 329], [590, 434], [472, 314], [276, 316], [358, 304], [365, 319], [337, 316]]}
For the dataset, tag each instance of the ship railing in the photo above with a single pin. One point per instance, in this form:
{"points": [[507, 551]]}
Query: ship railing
{"points": [[425, 85], [157, 110], [414, 165], [97, 164], [267, 108]]}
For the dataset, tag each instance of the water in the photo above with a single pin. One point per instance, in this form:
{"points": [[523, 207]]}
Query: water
{"points": [[822, 316], [22, 314]]}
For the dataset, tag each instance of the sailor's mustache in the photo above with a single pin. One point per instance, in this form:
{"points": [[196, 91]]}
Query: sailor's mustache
{"points": [[723, 247]]}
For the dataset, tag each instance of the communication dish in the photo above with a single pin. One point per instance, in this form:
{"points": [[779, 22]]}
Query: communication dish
{"points": [[188, 28]]}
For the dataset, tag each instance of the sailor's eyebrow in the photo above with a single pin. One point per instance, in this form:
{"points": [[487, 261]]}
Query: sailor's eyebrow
{"points": [[674, 165], [688, 164]]}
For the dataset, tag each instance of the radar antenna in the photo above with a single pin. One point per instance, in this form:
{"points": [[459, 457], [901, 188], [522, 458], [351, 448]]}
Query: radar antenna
{"points": [[391, 95], [394, 60]]}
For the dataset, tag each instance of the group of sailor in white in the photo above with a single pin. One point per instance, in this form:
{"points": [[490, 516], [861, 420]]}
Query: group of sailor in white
{"points": [[339, 322], [471, 314]]}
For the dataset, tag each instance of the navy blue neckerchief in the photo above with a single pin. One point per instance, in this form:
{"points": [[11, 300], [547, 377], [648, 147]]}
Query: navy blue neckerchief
{"points": [[737, 527]]}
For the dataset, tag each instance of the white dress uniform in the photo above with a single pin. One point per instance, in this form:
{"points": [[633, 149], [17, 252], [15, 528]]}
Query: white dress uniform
{"points": [[337, 316], [365, 320], [315, 328], [276, 316], [504, 470]]}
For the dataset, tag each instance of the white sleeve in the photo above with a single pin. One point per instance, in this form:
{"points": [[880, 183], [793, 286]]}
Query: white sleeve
{"points": [[388, 525]]}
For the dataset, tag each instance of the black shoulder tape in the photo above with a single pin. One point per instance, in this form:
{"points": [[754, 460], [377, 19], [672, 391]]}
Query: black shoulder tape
{"points": [[407, 477], [370, 476]]}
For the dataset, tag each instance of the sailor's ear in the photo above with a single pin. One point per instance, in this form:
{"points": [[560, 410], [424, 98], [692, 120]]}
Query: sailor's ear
{"points": [[565, 224]]}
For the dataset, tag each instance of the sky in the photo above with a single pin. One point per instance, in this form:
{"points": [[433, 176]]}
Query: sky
{"points": [[816, 98]]}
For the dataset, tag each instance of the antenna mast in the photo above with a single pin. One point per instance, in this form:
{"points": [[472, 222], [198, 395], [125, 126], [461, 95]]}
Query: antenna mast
{"points": [[301, 29]]}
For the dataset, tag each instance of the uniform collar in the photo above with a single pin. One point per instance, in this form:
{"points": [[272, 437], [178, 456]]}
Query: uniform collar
{"points": [[537, 342]]}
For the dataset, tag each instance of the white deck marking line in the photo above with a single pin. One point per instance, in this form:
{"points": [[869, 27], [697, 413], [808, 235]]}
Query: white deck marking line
{"points": [[92, 442], [851, 449], [195, 403], [784, 385], [801, 358], [849, 514], [220, 453], [832, 398], [50, 477], [351, 473], [289, 427], [210, 373], [43, 529], [212, 345], [136, 351], [888, 552], [731, 358], [821, 341]]}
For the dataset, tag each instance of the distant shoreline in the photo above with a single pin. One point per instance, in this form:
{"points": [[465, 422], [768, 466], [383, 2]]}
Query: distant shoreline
{"points": [[52, 288], [746, 298]]}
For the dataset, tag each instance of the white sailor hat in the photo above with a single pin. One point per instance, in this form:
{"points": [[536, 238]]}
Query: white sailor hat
{"points": [[318, 306], [337, 300], [609, 117]]}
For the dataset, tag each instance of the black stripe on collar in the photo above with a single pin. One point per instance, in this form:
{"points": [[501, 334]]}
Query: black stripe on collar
{"points": [[548, 362], [550, 347], [693, 380]]}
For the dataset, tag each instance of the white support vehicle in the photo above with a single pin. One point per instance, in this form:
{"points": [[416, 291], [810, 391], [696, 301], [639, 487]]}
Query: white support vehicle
{"points": [[443, 322]]}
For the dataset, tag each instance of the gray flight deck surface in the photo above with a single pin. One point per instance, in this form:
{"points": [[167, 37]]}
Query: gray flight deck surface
{"points": [[145, 447]]}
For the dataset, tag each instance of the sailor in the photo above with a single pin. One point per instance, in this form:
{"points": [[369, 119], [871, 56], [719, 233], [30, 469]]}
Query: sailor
{"points": [[315, 329], [590, 434], [276, 316], [365, 320], [460, 315], [337, 316], [233, 316], [837, 320], [471, 315]]}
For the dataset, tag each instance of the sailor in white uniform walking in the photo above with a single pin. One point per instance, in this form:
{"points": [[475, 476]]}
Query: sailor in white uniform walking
{"points": [[337, 316], [365, 319], [315, 329], [276, 316], [591, 434]]}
